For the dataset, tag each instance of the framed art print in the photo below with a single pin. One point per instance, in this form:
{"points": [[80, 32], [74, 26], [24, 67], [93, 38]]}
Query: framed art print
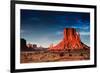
{"points": [[52, 36]]}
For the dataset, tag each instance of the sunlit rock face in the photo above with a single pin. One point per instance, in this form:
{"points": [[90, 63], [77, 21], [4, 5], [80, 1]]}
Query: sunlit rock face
{"points": [[71, 40]]}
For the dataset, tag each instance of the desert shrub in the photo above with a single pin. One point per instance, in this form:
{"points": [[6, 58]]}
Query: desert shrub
{"points": [[81, 54], [70, 54], [61, 54]]}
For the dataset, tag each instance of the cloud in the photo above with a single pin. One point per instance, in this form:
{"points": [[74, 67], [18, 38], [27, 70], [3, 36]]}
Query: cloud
{"points": [[84, 33], [59, 33], [80, 27]]}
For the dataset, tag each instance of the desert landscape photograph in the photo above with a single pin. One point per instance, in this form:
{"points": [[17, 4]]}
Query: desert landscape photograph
{"points": [[54, 36]]}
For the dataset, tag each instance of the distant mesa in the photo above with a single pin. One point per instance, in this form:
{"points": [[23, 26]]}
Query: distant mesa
{"points": [[23, 44], [29, 46], [71, 40]]}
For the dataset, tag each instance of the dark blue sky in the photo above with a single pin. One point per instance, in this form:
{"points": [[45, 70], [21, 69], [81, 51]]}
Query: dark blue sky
{"points": [[46, 27]]}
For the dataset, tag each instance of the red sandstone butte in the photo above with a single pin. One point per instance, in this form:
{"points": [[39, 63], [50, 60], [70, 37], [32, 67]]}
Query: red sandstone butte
{"points": [[71, 40]]}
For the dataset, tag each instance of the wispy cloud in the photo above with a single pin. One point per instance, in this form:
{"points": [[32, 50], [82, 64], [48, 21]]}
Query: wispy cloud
{"points": [[59, 33], [84, 33], [80, 27]]}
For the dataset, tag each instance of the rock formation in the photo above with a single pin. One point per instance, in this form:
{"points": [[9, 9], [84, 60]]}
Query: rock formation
{"points": [[71, 40]]}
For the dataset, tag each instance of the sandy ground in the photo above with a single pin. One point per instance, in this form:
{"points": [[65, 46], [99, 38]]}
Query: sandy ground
{"points": [[52, 56]]}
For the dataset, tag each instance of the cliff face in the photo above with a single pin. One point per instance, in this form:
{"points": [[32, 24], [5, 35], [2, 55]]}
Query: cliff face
{"points": [[71, 40]]}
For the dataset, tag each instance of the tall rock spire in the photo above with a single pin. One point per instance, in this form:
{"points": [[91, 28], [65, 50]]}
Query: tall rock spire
{"points": [[71, 40]]}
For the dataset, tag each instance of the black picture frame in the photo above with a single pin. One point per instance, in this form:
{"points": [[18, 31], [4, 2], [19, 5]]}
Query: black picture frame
{"points": [[12, 38]]}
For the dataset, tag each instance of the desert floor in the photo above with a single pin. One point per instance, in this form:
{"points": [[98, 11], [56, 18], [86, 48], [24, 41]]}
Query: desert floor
{"points": [[53, 56]]}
